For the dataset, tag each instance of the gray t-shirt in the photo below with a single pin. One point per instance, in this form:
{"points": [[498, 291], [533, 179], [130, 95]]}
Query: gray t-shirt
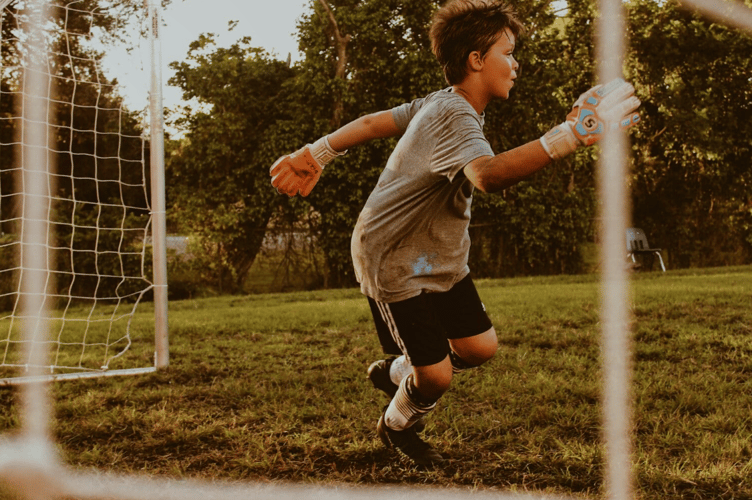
{"points": [[412, 235]]}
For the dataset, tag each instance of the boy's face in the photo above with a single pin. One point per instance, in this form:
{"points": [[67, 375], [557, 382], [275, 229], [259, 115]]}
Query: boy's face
{"points": [[500, 66]]}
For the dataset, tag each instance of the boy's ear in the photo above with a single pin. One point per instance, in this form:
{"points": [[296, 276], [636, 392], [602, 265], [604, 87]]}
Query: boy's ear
{"points": [[475, 61]]}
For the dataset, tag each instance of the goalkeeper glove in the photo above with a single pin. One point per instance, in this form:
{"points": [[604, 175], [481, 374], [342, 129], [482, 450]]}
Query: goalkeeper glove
{"points": [[600, 107], [300, 171]]}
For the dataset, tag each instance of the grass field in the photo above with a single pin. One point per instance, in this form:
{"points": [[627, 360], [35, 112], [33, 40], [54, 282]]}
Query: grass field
{"points": [[273, 387]]}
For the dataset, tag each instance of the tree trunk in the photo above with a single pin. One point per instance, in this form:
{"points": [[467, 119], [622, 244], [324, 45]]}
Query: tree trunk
{"points": [[340, 44]]}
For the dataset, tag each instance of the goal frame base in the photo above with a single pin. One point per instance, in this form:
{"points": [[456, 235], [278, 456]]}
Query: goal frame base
{"points": [[73, 376]]}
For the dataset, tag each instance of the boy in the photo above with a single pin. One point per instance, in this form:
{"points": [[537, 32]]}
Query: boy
{"points": [[410, 244]]}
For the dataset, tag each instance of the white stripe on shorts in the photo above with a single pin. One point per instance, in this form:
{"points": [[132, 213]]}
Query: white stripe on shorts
{"points": [[386, 315]]}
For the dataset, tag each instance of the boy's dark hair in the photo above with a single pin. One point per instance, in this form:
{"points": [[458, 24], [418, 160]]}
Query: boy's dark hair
{"points": [[463, 26]]}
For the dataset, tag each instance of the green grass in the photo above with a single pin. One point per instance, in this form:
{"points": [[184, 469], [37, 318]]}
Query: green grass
{"points": [[273, 387], [88, 338]]}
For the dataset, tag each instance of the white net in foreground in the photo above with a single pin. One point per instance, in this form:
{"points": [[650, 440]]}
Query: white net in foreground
{"points": [[96, 198]]}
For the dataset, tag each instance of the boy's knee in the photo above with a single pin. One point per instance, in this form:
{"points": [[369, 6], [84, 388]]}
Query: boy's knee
{"points": [[489, 347], [478, 349], [480, 356]]}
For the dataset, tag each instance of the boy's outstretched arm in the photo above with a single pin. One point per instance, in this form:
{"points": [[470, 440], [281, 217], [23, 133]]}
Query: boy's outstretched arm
{"points": [[299, 172], [602, 106], [368, 127], [494, 173]]}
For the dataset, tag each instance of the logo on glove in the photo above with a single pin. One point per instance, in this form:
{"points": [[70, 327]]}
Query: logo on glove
{"points": [[590, 122]]}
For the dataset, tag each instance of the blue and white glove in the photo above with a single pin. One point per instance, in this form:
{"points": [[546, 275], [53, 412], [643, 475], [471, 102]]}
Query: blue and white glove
{"points": [[602, 106]]}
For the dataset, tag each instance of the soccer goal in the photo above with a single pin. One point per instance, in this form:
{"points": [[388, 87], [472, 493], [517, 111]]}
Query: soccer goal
{"points": [[82, 208], [28, 461]]}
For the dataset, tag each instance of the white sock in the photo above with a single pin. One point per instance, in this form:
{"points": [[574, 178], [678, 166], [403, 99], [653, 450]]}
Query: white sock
{"points": [[400, 369], [404, 410]]}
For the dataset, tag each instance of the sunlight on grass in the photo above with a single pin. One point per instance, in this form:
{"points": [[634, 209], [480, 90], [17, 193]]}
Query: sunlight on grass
{"points": [[273, 387], [85, 338]]}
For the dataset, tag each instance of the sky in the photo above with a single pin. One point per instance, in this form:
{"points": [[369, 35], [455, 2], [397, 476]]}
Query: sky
{"points": [[269, 23]]}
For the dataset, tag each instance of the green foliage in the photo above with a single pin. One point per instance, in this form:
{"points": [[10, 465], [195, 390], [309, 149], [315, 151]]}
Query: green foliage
{"points": [[692, 182], [690, 179], [100, 206], [9, 273], [97, 141], [104, 255], [389, 62], [100, 256], [218, 181], [538, 226]]}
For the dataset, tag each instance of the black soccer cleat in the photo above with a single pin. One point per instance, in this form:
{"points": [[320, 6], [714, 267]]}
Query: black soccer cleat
{"points": [[409, 444], [378, 374]]}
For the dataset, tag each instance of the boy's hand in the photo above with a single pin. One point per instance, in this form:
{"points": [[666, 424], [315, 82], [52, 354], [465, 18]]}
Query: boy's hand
{"points": [[300, 171], [612, 104], [296, 173]]}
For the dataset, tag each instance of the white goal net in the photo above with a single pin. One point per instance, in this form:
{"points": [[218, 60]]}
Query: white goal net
{"points": [[28, 461], [85, 163]]}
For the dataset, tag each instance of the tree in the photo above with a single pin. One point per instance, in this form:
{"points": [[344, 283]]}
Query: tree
{"points": [[692, 181], [91, 130], [363, 56], [389, 62], [218, 180], [539, 226], [75, 60]]}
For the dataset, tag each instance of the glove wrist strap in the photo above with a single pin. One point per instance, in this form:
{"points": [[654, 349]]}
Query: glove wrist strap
{"points": [[559, 141], [322, 152]]}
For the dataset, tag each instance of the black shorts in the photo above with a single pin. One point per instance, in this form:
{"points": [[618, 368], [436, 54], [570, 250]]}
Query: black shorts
{"points": [[420, 327]]}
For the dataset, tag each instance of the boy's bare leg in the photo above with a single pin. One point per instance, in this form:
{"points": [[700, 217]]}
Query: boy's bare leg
{"points": [[432, 381], [476, 350], [419, 392]]}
